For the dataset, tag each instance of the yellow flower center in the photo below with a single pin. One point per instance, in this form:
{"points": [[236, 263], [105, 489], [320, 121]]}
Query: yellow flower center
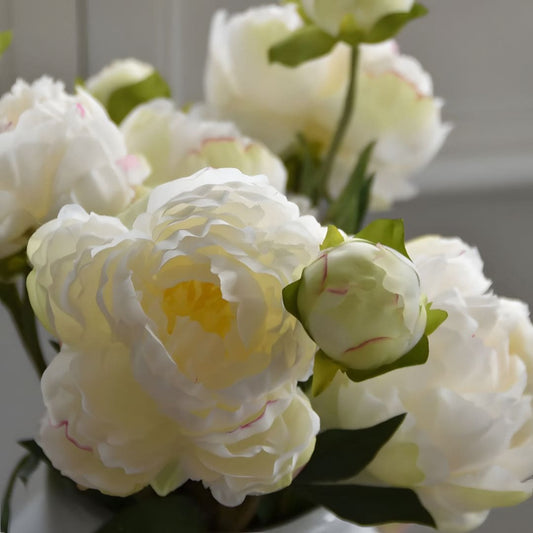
{"points": [[201, 302]]}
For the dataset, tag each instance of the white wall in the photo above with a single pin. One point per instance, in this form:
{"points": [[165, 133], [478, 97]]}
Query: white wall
{"points": [[478, 52]]}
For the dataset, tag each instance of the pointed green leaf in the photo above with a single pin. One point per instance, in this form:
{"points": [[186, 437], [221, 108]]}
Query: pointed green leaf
{"points": [[435, 317], [123, 100], [305, 44], [369, 505], [416, 356], [388, 26], [290, 298], [350, 207], [323, 372], [341, 454], [5, 40], [23, 471], [332, 239], [389, 232], [158, 515], [34, 449]]}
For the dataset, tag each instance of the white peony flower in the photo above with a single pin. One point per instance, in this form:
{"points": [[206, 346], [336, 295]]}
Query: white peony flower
{"points": [[177, 144], [118, 74], [362, 304], [395, 105], [362, 14], [466, 444], [55, 149], [269, 102], [182, 312]]}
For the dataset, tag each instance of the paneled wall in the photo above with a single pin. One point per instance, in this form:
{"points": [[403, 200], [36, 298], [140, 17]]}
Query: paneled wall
{"points": [[477, 51]]}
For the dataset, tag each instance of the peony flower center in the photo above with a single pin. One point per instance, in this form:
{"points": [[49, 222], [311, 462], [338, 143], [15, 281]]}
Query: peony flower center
{"points": [[201, 302]]}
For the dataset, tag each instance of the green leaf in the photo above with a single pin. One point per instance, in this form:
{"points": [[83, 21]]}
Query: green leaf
{"points": [[332, 239], [416, 356], [388, 26], [290, 298], [341, 454], [386, 231], [435, 317], [5, 40], [323, 373], [123, 100], [23, 471], [369, 505], [13, 266], [305, 44], [34, 449], [158, 515], [350, 207], [55, 345]]}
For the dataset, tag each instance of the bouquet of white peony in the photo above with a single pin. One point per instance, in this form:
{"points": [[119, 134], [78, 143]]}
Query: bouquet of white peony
{"points": [[234, 347]]}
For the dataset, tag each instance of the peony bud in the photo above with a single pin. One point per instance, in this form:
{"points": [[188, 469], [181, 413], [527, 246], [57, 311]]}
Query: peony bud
{"points": [[332, 15], [118, 74], [361, 303]]}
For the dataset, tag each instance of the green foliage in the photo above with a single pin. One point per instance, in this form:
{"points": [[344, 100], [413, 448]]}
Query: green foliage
{"points": [[367, 505], [390, 25], [22, 471], [124, 99], [5, 40], [385, 28], [339, 456], [19, 307], [348, 211], [342, 453], [158, 515], [302, 161], [290, 298], [310, 42], [386, 231], [324, 371], [333, 238], [435, 317], [13, 266], [306, 43]]}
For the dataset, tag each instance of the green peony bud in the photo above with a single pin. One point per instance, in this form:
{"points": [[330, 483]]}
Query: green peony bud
{"points": [[362, 304]]}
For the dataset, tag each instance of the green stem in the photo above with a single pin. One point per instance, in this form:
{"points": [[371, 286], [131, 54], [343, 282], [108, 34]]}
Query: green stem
{"points": [[25, 323], [344, 121]]}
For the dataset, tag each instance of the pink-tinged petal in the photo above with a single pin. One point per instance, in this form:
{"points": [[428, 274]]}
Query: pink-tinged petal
{"points": [[341, 290], [256, 419], [366, 343], [65, 423], [128, 162], [81, 109]]}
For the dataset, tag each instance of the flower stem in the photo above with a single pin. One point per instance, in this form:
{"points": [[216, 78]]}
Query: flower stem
{"points": [[25, 323], [349, 105]]}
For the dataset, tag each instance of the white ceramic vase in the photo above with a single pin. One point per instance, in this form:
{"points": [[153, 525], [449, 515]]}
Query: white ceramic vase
{"points": [[51, 509]]}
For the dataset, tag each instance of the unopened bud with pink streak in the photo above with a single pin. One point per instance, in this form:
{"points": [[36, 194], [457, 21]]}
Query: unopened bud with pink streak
{"points": [[361, 303]]}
